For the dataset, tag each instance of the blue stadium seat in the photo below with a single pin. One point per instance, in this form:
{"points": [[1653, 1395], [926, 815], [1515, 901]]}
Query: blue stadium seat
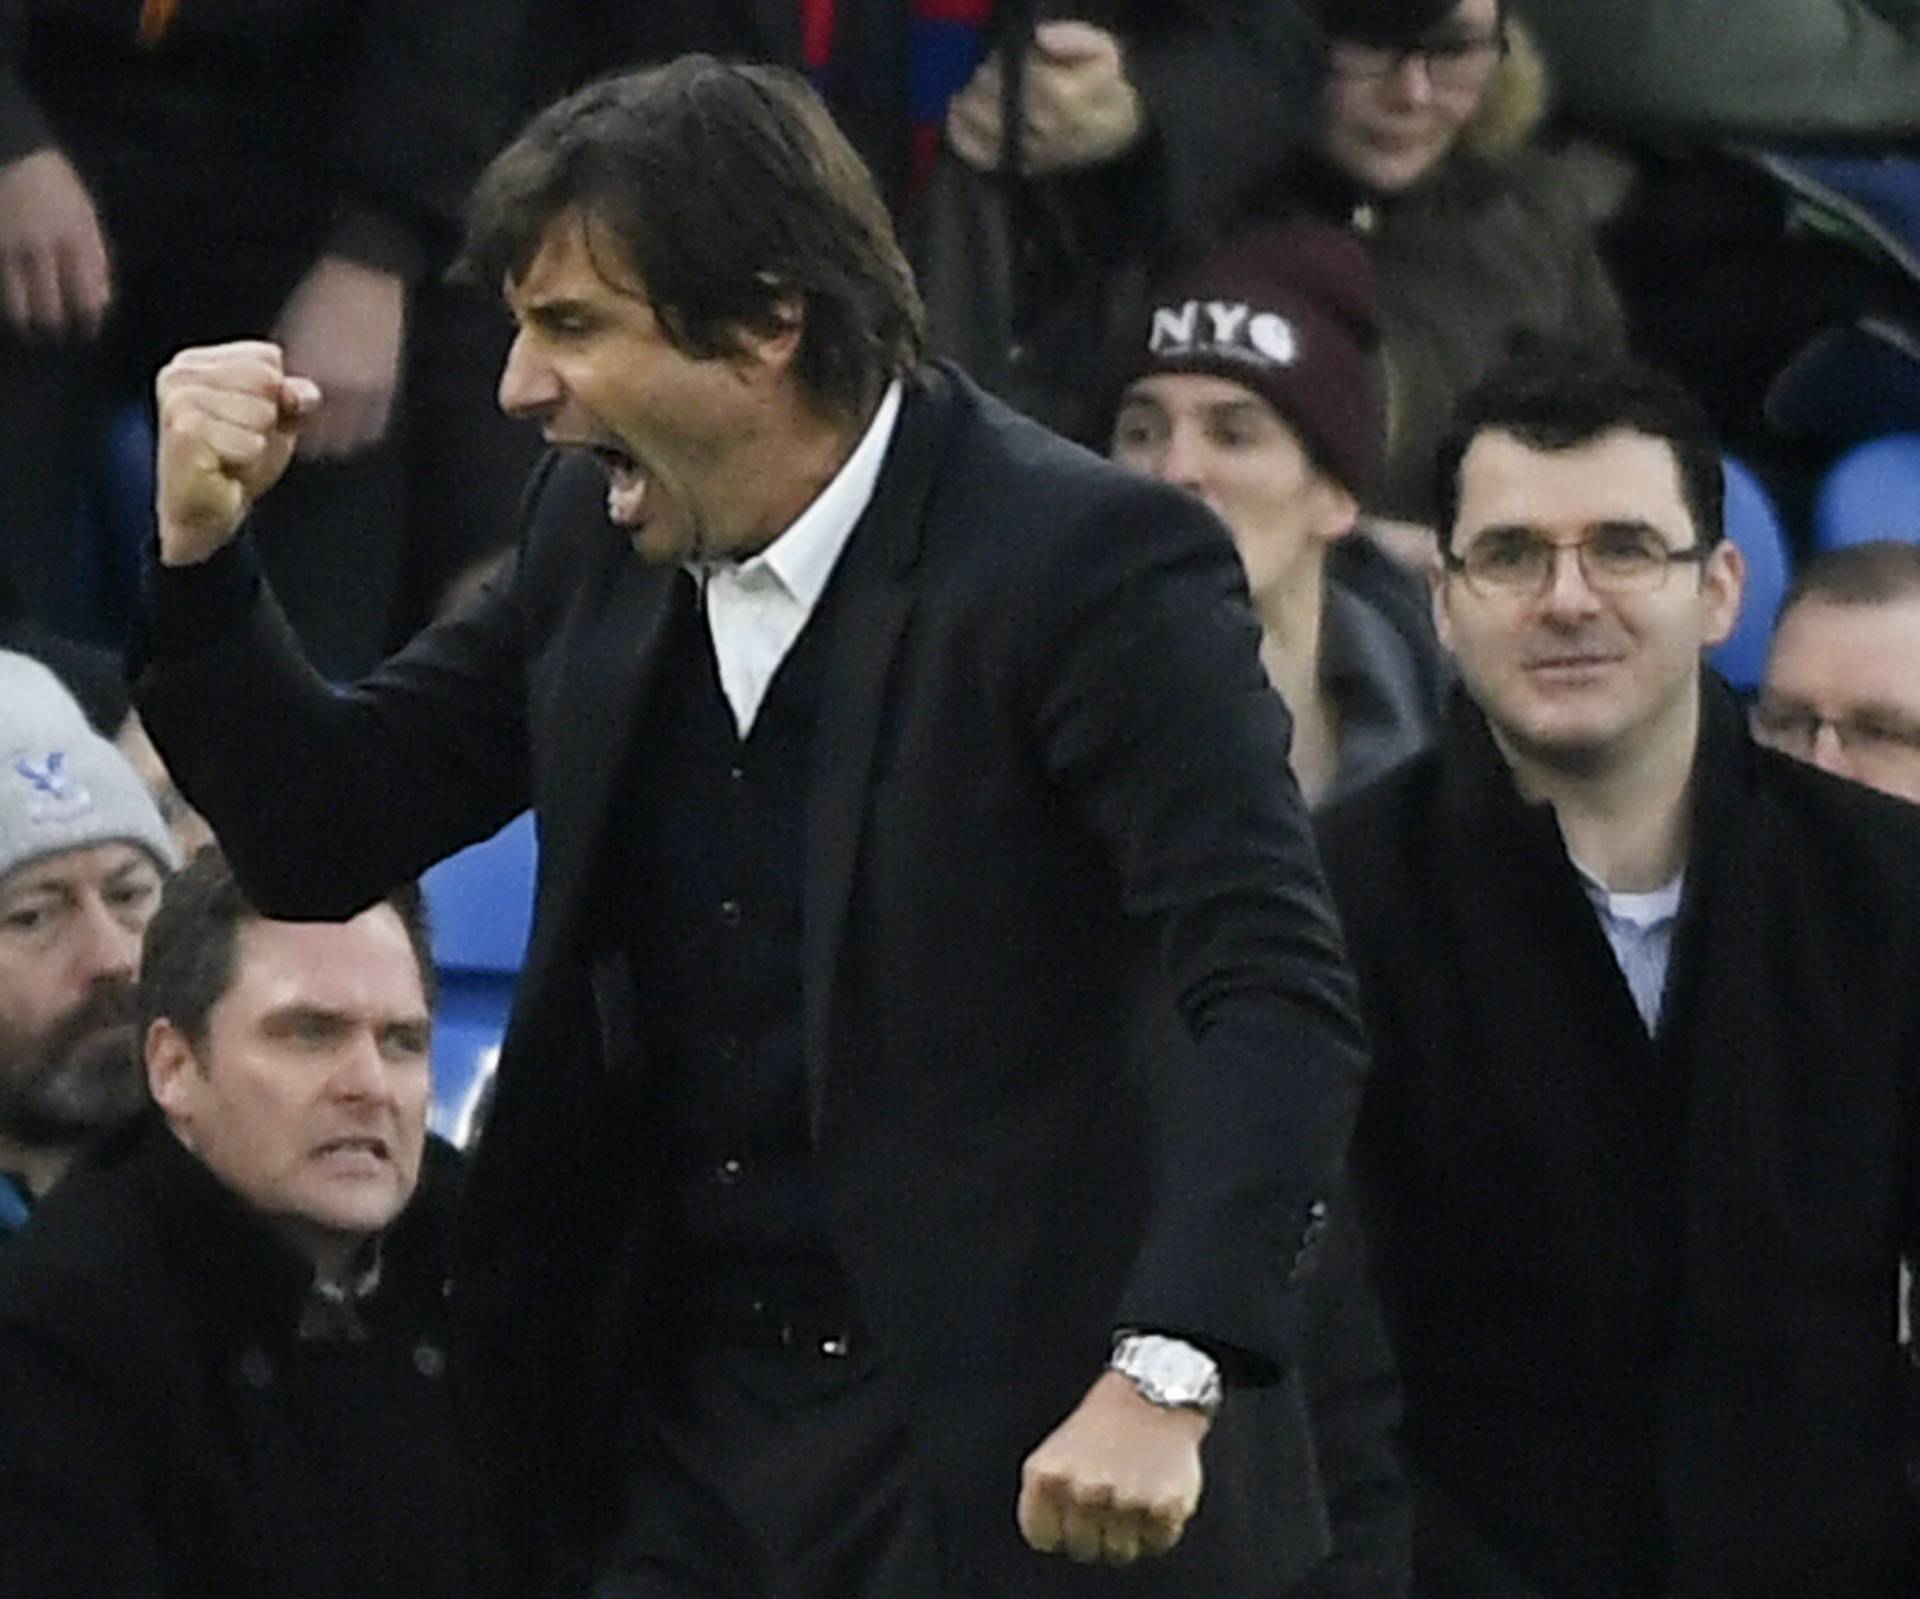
{"points": [[101, 593], [1872, 492], [481, 903], [1754, 525]]}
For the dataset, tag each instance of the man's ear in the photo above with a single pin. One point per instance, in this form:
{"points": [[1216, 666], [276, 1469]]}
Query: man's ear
{"points": [[1335, 510], [1437, 576], [171, 1066], [777, 344], [1723, 584]]}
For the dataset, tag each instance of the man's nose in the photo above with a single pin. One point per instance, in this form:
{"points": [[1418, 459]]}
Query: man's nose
{"points": [[528, 387], [1828, 753], [1183, 462], [359, 1069], [1411, 80], [105, 944], [1568, 593]]}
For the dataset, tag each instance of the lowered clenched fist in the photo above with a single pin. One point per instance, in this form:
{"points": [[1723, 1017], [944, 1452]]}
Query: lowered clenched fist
{"points": [[229, 416], [1116, 1482]]}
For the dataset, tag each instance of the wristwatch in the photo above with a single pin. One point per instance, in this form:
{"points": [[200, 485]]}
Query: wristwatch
{"points": [[1169, 1372]]}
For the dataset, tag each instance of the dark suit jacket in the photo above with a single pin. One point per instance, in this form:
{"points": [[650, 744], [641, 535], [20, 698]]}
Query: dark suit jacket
{"points": [[1047, 756], [164, 1434], [1642, 1290]]}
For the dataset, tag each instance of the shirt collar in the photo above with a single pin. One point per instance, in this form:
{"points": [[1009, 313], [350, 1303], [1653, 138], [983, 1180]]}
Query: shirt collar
{"points": [[331, 1312], [803, 557]]}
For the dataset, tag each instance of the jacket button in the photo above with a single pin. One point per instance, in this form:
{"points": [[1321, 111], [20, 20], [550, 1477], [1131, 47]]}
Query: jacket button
{"points": [[729, 913], [429, 1360], [256, 1370]]}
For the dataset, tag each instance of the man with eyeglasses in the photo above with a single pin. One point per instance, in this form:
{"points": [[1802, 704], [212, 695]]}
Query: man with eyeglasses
{"points": [[1843, 675], [1645, 1003]]}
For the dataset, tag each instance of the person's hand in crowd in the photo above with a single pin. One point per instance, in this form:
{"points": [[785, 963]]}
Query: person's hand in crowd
{"points": [[229, 417], [1117, 1481], [56, 281], [343, 326], [1079, 107]]}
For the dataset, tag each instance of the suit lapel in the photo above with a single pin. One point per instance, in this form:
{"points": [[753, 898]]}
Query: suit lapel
{"points": [[609, 665], [876, 596]]}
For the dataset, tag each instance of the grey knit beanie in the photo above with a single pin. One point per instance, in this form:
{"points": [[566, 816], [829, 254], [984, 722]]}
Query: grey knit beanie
{"points": [[63, 786], [33, 699]]}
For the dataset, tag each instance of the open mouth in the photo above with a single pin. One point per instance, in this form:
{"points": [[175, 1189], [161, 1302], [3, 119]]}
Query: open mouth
{"points": [[364, 1147], [1557, 665], [626, 485]]}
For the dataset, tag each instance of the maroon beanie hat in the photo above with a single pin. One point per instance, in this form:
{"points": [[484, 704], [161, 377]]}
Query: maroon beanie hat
{"points": [[1288, 310]]}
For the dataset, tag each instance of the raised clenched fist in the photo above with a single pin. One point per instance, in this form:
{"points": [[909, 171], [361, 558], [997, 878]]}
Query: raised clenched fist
{"points": [[229, 417]]}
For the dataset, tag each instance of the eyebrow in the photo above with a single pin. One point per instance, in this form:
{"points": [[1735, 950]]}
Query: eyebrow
{"points": [[1611, 524], [1852, 711], [297, 1014], [1233, 410], [554, 310], [56, 882]]}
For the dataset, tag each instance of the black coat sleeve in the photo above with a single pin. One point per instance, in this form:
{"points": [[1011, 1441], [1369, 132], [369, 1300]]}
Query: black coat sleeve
{"points": [[23, 129], [325, 797], [1156, 723]]}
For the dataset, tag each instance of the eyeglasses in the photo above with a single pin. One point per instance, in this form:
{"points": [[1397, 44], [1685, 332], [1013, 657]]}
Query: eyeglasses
{"points": [[1460, 62], [1617, 558], [1867, 736]]}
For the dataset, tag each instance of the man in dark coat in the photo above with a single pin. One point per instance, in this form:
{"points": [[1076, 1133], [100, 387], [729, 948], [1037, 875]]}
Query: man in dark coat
{"points": [[823, 1182], [222, 1364], [1645, 1000]]}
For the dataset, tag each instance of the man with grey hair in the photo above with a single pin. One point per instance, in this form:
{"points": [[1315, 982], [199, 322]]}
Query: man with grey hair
{"points": [[1843, 674], [82, 855]]}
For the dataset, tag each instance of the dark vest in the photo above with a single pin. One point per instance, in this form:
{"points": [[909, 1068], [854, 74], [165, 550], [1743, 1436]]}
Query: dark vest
{"points": [[710, 836]]}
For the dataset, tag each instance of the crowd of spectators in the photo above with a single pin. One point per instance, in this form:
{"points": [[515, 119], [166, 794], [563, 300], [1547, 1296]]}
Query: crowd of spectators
{"points": [[1368, 278]]}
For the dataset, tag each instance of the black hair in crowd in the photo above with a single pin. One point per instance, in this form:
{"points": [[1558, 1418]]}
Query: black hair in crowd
{"points": [[1554, 396]]}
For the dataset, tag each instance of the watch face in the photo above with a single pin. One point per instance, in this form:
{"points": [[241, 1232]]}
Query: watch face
{"points": [[1170, 1372]]}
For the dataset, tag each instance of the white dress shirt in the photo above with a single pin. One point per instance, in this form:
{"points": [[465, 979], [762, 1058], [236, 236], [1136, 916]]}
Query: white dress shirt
{"points": [[1639, 929], [757, 607]]}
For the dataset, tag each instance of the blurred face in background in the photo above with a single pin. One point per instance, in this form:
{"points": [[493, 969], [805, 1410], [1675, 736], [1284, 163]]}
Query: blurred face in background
{"points": [[1843, 691], [70, 931], [1393, 112], [1226, 444]]}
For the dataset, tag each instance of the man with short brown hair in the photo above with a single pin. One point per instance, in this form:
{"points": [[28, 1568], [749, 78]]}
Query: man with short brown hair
{"points": [[222, 1342]]}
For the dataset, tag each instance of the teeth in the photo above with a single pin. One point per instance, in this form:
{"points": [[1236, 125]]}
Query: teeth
{"points": [[627, 496]]}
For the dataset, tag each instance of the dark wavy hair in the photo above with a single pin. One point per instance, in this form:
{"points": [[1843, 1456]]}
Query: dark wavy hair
{"points": [[725, 193]]}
